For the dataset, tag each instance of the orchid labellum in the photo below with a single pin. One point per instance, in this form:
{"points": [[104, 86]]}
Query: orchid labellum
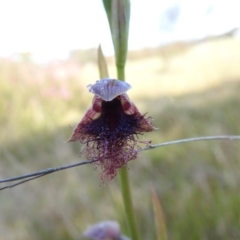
{"points": [[110, 127]]}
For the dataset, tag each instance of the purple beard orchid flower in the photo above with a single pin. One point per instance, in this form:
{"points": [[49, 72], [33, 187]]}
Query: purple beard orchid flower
{"points": [[110, 127]]}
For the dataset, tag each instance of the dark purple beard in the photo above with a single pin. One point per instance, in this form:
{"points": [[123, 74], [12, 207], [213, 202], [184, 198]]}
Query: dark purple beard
{"points": [[112, 138], [113, 121]]}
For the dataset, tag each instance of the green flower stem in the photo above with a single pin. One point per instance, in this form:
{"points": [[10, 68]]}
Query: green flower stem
{"points": [[121, 72], [126, 191]]}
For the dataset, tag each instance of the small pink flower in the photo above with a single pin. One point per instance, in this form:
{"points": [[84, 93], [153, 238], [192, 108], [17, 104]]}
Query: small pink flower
{"points": [[110, 127]]}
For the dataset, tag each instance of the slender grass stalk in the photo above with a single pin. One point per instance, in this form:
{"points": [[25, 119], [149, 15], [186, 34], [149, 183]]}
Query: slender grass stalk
{"points": [[42, 173], [195, 139]]}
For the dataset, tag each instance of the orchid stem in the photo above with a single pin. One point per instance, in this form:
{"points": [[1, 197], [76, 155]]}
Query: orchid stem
{"points": [[121, 72], [126, 191]]}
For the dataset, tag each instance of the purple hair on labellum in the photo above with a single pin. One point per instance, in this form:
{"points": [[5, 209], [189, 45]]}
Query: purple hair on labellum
{"points": [[111, 126]]}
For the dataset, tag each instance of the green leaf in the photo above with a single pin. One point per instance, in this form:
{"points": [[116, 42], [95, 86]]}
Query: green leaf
{"points": [[108, 8], [102, 65], [120, 29]]}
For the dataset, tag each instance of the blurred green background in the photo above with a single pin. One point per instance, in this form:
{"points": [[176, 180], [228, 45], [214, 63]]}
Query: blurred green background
{"points": [[190, 89]]}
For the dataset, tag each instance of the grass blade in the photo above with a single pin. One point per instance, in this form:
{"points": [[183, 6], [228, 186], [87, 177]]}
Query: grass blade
{"points": [[102, 65], [158, 215]]}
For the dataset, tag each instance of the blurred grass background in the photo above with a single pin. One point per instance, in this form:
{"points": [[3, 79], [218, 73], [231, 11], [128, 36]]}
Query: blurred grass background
{"points": [[190, 89]]}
